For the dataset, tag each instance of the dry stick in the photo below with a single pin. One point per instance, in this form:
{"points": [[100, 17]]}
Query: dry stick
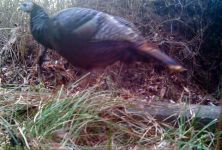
{"points": [[10, 42], [219, 128]]}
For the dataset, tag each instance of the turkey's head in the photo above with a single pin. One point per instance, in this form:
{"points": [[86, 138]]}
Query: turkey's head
{"points": [[26, 7]]}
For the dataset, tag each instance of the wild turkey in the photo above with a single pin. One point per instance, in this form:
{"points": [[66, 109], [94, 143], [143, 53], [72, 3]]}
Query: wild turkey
{"points": [[89, 39]]}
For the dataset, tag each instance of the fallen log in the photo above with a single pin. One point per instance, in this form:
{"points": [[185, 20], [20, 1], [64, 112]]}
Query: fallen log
{"points": [[169, 113]]}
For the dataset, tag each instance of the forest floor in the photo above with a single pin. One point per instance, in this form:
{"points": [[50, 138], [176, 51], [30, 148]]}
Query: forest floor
{"points": [[147, 81], [70, 108]]}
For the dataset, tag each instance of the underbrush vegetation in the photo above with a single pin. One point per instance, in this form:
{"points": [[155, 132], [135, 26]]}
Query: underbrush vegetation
{"points": [[33, 117], [90, 119]]}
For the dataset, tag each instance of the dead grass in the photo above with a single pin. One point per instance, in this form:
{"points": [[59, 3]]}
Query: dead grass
{"points": [[88, 118]]}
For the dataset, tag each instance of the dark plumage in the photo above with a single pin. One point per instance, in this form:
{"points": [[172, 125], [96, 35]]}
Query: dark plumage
{"points": [[88, 38]]}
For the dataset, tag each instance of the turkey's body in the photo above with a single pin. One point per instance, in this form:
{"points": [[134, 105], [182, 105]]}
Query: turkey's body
{"points": [[90, 42], [97, 54], [88, 38]]}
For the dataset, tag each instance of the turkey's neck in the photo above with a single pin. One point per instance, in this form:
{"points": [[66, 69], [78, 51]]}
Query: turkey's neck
{"points": [[38, 23]]}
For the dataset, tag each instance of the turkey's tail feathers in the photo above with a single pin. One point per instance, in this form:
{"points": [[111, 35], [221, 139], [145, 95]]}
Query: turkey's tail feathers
{"points": [[161, 56]]}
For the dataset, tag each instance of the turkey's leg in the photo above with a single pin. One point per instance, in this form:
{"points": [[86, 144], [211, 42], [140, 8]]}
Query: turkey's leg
{"points": [[40, 60]]}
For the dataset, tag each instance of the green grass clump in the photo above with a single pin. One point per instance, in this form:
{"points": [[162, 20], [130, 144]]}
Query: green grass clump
{"points": [[188, 135]]}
